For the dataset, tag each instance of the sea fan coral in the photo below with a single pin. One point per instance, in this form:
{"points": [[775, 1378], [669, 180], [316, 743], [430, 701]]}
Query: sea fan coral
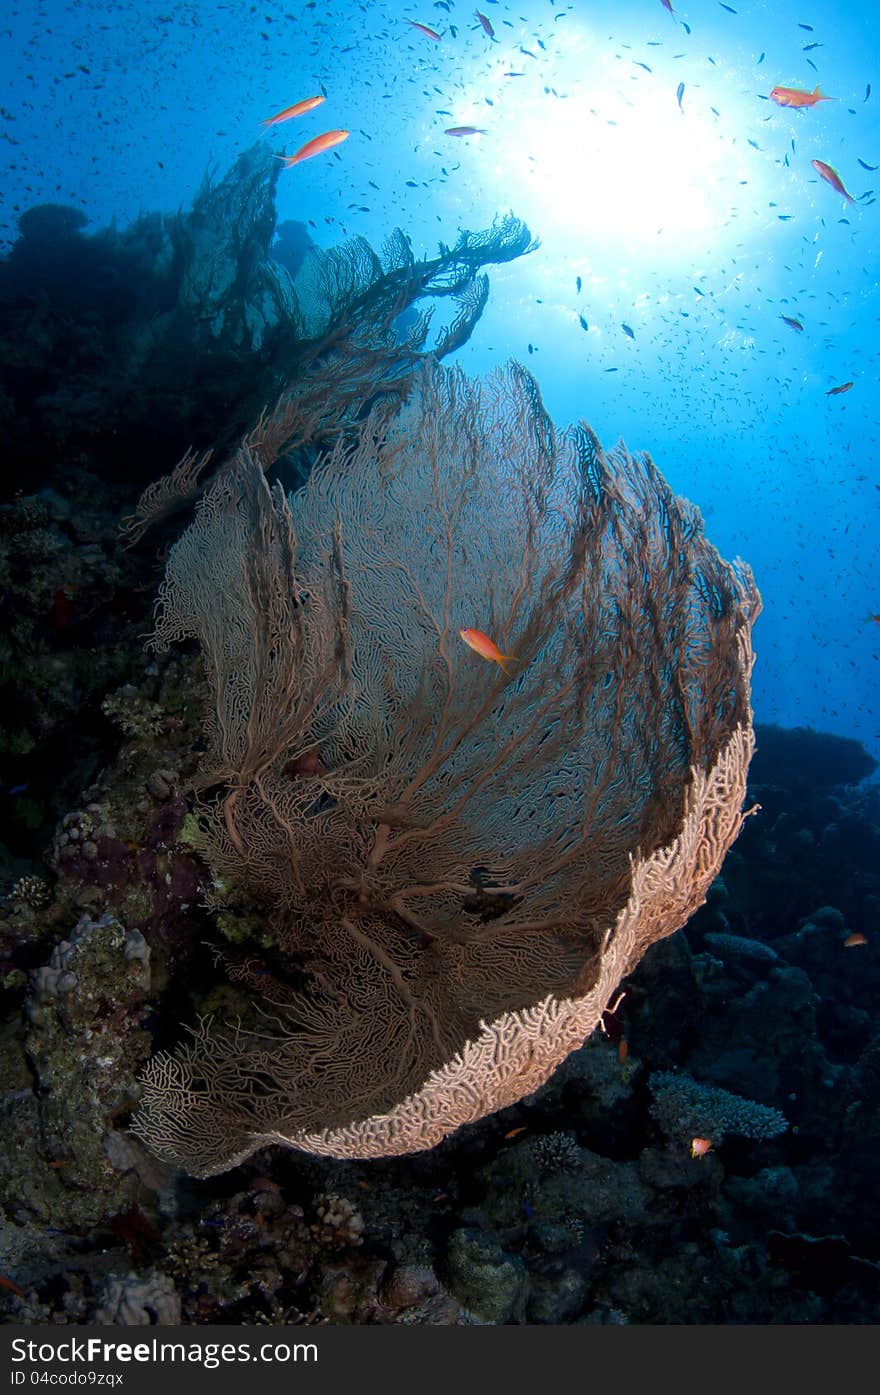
{"points": [[455, 865]]}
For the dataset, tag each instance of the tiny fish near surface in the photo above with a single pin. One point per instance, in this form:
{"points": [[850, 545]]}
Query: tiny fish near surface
{"points": [[830, 175], [486, 24], [425, 29]]}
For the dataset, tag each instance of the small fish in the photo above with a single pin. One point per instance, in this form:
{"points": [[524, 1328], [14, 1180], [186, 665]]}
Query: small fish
{"points": [[856, 938], [13, 1288], [487, 648], [487, 26], [798, 97], [465, 131], [307, 104], [836, 391], [831, 177], [700, 1147], [667, 5], [679, 93], [315, 147], [729, 8], [583, 323], [866, 166], [512, 1133], [425, 29], [622, 1051], [867, 92], [792, 324], [875, 618], [579, 283], [627, 331]]}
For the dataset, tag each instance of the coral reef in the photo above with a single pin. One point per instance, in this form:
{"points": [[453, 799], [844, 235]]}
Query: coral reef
{"points": [[570, 1205], [119, 346]]}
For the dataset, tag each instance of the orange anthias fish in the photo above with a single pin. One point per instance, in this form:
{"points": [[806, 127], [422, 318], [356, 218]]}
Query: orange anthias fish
{"points": [[831, 177], [315, 147], [298, 108], [700, 1147], [835, 392], [425, 29], [487, 648], [797, 97], [486, 23], [856, 938]]}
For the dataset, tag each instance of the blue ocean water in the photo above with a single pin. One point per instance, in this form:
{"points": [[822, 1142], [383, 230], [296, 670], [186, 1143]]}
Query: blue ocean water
{"points": [[670, 195]]}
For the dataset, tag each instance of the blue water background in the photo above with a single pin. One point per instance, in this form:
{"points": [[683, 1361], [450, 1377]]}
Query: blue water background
{"points": [[697, 223]]}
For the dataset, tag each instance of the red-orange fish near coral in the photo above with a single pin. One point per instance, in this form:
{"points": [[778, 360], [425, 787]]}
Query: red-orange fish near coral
{"points": [[315, 147], [425, 29], [831, 177], [797, 97], [298, 108], [487, 648], [700, 1147], [835, 392], [856, 938]]}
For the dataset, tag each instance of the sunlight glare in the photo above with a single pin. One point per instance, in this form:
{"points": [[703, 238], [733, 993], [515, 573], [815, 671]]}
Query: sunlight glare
{"points": [[631, 172]]}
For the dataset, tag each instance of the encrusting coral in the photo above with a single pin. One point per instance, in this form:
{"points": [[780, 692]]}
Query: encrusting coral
{"points": [[456, 865]]}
